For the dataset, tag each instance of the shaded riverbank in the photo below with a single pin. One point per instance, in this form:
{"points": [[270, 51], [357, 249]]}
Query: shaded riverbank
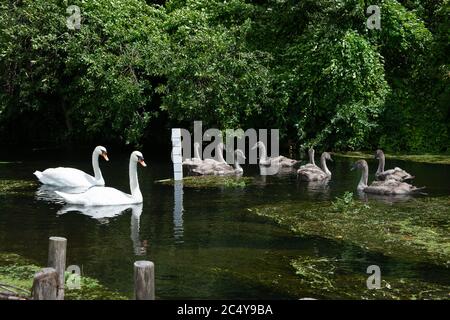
{"points": [[421, 158]]}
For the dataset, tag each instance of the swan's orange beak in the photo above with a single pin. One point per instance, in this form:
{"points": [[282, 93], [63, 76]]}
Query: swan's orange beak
{"points": [[142, 163], [105, 155]]}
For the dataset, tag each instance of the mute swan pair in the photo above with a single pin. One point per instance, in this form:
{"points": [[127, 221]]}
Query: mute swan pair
{"points": [[106, 196], [311, 172], [96, 194], [397, 173], [386, 187], [264, 160], [70, 177]]}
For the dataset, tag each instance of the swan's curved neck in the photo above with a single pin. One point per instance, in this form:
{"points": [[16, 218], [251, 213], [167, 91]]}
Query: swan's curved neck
{"points": [[219, 153], [364, 178], [97, 172], [381, 161], [134, 182], [263, 151], [311, 156], [197, 151], [323, 163]]}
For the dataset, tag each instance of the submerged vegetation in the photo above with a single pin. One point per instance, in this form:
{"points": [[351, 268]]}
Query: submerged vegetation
{"points": [[210, 182], [16, 186], [332, 277], [416, 230], [19, 272]]}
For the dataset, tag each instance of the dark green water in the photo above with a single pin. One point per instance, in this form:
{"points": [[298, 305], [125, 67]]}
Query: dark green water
{"points": [[205, 244]]}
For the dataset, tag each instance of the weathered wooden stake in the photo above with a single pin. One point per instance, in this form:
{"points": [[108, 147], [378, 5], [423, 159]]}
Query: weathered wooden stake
{"points": [[144, 280], [45, 285], [57, 260]]}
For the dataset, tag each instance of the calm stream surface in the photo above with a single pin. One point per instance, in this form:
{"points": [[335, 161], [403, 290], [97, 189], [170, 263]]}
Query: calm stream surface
{"points": [[204, 242]]}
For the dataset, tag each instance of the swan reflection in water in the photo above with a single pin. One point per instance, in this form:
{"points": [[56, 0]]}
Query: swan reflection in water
{"points": [[47, 193], [104, 213], [273, 170], [388, 199]]}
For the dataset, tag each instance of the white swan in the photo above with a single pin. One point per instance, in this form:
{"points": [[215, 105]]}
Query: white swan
{"points": [[104, 196], [314, 173], [70, 177], [272, 161], [386, 187], [397, 173]]}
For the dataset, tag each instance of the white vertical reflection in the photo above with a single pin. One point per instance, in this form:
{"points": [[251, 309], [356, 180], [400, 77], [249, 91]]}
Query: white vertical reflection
{"points": [[178, 212]]}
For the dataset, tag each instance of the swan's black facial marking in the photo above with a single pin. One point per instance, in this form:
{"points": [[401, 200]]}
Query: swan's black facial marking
{"points": [[104, 154], [141, 161]]}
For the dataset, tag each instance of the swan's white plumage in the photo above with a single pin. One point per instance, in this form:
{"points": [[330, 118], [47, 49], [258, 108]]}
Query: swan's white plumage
{"points": [[106, 196], [70, 177], [65, 177], [99, 196]]}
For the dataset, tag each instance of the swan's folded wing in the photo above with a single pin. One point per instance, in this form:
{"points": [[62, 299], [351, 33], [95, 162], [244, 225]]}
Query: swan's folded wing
{"points": [[312, 174], [98, 196], [67, 177]]}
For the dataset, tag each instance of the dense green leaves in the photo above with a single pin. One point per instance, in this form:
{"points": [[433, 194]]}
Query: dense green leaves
{"points": [[310, 68]]}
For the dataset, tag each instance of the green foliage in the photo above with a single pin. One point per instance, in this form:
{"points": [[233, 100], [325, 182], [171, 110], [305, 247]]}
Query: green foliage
{"points": [[98, 79], [310, 68], [338, 87]]}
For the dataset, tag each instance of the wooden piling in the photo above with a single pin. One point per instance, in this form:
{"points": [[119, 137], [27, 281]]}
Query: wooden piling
{"points": [[144, 280], [57, 260], [45, 285]]}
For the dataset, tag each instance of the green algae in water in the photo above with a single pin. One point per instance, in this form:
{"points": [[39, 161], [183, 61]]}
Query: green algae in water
{"points": [[331, 276], [19, 272], [417, 230], [8, 187], [210, 182]]}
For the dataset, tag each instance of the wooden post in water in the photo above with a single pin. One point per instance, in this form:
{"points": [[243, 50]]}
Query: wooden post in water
{"points": [[57, 260], [45, 285], [144, 280]]}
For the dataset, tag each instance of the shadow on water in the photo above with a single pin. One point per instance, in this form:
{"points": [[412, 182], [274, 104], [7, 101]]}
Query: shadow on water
{"points": [[204, 242]]}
